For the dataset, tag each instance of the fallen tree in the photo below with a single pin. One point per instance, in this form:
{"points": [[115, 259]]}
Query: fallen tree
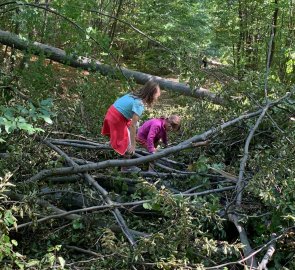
{"points": [[58, 55], [197, 140], [109, 198]]}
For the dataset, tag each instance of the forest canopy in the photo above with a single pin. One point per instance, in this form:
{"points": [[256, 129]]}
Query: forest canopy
{"points": [[220, 195]]}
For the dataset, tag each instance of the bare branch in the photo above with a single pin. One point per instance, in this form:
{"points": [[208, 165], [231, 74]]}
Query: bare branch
{"points": [[80, 144], [240, 184], [226, 175], [102, 191], [119, 205], [44, 204], [252, 254], [244, 239], [270, 251], [85, 251]]}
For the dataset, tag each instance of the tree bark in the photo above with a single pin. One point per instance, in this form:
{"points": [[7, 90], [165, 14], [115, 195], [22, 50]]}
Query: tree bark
{"points": [[58, 55], [114, 25], [274, 31]]}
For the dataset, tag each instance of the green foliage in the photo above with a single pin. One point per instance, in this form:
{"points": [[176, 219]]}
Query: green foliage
{"points": [[21, 117], [51, 259], [38, 77], [277, 184], [10, 259], [97, 94], [7, 221], [182, 233], [77, 224]]}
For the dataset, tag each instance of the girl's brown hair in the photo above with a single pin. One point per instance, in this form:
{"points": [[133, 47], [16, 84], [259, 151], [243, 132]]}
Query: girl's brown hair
{"points": [[174, 120], [147, 92]]}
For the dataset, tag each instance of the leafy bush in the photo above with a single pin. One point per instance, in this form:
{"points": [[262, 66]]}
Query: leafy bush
{"points": [[22, 117]]}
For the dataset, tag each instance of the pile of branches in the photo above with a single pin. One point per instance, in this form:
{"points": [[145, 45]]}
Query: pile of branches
{"points": [[98, 177]]}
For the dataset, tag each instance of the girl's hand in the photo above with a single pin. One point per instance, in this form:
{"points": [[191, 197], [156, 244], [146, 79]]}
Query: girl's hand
{"points": [[131, 149]]}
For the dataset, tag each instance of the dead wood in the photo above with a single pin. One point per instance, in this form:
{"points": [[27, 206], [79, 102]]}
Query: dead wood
{"points": [[244, 239], [68, 199], [58, 55], [269, 253], [240, 185], [119, 218], [64, 179], [84, 251], [146, 159], [120, 205], [226, 175], [43, 203]]}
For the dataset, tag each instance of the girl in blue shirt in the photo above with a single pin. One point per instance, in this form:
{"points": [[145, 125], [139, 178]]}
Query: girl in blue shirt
{"points": [[121, 118]]}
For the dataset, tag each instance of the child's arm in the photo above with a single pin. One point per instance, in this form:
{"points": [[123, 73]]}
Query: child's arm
{"points": [[165, 139], [132, 129], [154, 130]]}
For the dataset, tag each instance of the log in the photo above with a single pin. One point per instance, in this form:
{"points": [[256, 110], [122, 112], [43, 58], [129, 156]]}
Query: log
{"points": [[58, 55]]}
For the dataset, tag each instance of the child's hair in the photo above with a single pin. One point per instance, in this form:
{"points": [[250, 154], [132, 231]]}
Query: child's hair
{"points": [[147, 92], [174, 121]]}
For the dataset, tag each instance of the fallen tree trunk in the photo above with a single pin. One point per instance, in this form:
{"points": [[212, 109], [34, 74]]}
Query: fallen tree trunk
{"points": [[197, 140], [58, 55]]}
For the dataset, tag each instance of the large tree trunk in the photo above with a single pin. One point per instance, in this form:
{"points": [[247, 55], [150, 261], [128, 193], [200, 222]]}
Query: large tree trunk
{"points": [[58, 55]]}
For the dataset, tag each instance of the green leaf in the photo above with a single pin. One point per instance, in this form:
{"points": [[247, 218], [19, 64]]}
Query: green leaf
{"points": [[9, 219], [77, 224], [9, 113], [5, 239], [47, 119], [47, 102], [14, 242], [22, 109], [20, 119], [62, 262], [147, 206], [25, 126], [32, 263], [9, 126]]}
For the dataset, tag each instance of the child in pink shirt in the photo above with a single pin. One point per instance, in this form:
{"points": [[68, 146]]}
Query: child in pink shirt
{"points": [[154, 130]]}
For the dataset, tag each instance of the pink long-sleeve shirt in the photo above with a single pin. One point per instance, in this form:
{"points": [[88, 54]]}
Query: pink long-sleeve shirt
{"points": [[151, 132]]}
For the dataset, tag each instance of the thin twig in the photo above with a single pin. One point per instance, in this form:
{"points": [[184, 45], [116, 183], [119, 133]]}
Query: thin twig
{"points": [[85, 251]]}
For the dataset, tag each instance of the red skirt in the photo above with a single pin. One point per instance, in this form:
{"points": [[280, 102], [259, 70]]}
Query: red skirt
{"points": [[115, 125]]}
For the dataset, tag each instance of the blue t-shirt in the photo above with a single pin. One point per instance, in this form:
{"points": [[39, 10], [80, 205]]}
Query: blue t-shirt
{"points": [[128, 105]]}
